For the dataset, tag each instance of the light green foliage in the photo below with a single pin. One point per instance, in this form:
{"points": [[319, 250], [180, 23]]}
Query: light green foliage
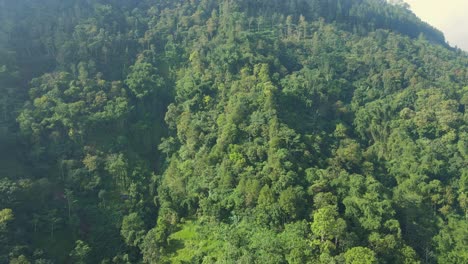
{"points": [[117, 167], [80, 253], [20, 260], [360, 255], [133, 229], [452, 241], [192, 241], [221, 131], [6, 216], [327, 225]]}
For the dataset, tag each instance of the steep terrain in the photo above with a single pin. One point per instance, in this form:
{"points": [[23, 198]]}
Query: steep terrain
{"points": [[230, 131]]}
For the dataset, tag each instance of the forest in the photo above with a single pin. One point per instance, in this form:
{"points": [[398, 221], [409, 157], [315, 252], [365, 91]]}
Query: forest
{"points": [[230, 131]]}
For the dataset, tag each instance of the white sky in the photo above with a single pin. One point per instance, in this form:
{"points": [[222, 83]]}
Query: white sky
{"points": [[449, 16]]}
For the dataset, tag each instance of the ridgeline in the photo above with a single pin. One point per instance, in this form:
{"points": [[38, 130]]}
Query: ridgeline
{"points": [[230, 131]]}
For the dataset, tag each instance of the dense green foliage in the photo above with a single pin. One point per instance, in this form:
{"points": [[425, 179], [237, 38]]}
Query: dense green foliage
{"points": [[230, 131]]}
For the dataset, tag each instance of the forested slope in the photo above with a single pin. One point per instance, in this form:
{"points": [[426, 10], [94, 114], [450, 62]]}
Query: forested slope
{"points": [[230, 131]]}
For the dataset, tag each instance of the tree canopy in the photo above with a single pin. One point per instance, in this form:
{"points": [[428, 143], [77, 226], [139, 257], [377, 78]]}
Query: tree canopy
{"points": [[230, 131]]}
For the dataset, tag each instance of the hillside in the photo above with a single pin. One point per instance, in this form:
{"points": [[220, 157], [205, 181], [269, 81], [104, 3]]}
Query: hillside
{"points": [[230, 131]]}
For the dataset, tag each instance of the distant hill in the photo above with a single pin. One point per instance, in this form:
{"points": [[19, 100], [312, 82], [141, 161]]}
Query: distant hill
{"points": [[230, 131]]}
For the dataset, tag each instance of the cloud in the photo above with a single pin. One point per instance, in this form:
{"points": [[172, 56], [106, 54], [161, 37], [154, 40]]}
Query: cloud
{"points": [[449, 16]]}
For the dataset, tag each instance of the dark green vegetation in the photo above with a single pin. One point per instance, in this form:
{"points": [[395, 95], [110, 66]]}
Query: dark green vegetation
{"points": [[223, 131]]}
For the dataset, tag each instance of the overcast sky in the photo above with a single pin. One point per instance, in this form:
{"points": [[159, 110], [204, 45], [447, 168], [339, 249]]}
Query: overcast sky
{"points": [[449, 16]]}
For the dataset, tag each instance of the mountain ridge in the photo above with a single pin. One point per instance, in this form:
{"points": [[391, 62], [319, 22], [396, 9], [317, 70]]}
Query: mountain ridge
{"points": [[314, 131]]}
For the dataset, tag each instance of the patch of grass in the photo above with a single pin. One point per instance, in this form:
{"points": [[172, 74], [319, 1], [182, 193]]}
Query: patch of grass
{"points": [[190, 242], [188, 231]]}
